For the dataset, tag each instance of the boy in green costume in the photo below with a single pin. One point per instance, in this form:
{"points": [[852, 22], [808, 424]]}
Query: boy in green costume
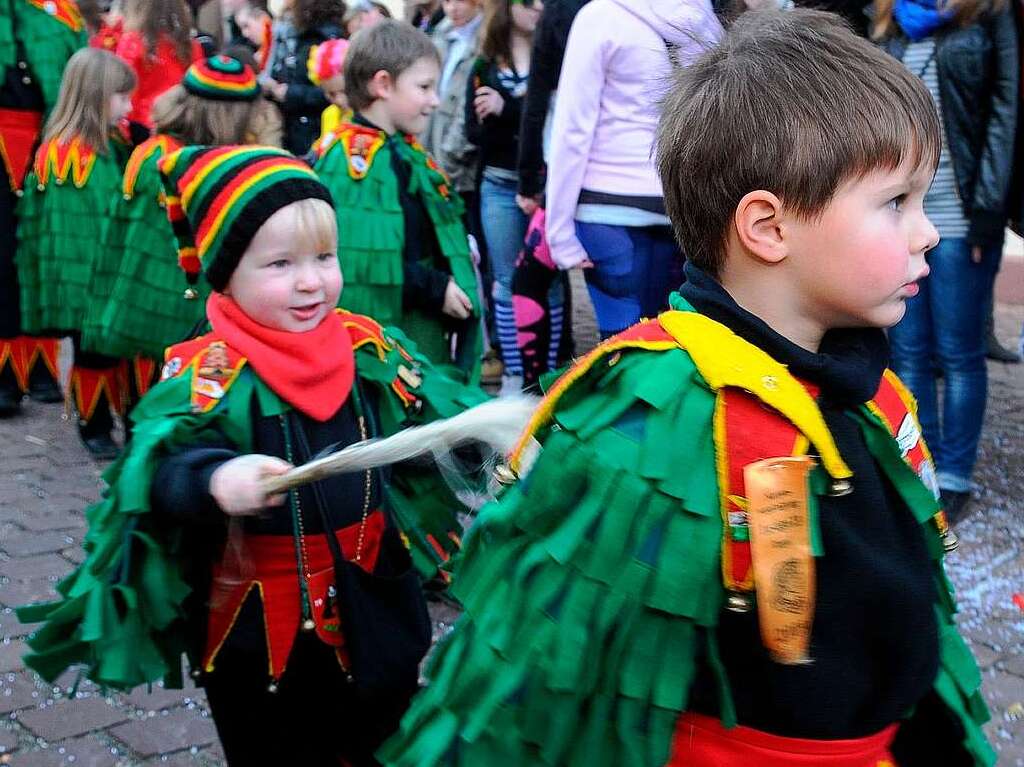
{"points": [[187, 553], [729, 550], [402, 244]]}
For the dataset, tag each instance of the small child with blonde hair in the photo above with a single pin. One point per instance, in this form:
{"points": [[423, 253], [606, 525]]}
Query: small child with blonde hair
{"points": [[326, 67]]}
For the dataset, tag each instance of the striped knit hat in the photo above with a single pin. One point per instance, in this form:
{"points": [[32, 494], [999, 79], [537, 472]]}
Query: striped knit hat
{"points": [[221, 78], [218, 197], [326, 60]]}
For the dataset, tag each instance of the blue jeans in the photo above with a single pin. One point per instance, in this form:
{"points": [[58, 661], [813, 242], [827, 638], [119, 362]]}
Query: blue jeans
{"points": [[635, 269], [504, 226], [945, 326]]}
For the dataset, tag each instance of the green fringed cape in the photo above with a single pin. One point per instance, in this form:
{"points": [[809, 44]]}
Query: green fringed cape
{"points": [[355, 164], [585, 585], [48, 42], [62, 221], [121, 612], [137, 292]]}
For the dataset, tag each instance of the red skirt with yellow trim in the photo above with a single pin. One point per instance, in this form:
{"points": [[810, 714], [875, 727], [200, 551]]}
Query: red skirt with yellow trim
{"points": [[270, 566]]}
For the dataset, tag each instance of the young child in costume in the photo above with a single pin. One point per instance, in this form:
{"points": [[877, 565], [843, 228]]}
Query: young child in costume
{"points": [[138, 307], [281, 376], [76, 172], [327, 69], [729, 551], [35, 46], [403, 248]]}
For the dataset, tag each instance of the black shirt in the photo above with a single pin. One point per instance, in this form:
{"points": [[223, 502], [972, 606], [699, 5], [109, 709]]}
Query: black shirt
{"points": [[874, 639]]}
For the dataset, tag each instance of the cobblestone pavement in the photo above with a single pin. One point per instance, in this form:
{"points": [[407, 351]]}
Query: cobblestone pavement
{"points": [[46, 480]]}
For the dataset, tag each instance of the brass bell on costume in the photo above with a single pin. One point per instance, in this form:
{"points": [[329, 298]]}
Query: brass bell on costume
{"points": [[739, 602], [504, 474], [308, 624], [191, 294], [950, 542], [272, 687], [840, 487]]}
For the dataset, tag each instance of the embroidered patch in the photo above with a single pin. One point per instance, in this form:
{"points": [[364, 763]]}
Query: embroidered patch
{"points": [[216, 368], [908, 435], [171, 368]]}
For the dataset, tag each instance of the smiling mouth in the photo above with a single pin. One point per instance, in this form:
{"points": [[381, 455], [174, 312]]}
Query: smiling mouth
{"points": [[306, 311]]}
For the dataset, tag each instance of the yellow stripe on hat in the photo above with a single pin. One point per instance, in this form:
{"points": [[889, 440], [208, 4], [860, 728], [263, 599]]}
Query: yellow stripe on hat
{"points": [[211, 166], [229, 204]]}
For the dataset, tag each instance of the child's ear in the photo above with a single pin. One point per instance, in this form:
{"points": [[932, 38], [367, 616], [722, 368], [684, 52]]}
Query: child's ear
{"points": [[381, 84], [759, 226]]}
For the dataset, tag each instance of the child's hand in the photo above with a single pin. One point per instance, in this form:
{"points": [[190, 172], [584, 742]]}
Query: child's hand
{"points": [[488, 102], [456, 302], [237, 486], [528, 205]]}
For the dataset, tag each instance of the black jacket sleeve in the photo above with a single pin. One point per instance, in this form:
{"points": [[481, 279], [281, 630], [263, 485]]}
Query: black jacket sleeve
{"points": [[545, 67], [988, 209], [181, 486], [473, 128]]}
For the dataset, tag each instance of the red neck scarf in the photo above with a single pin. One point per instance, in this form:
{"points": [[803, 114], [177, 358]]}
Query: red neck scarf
{"points": [[311, 371]]}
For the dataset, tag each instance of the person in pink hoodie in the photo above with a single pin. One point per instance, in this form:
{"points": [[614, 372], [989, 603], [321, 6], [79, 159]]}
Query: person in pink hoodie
{"points": [[605, 210]]}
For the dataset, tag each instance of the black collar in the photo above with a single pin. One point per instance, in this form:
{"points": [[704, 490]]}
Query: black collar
{"points": [[847, 367]]}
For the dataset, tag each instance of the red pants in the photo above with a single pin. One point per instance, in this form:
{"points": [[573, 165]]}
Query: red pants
{"points": [[701, 741]]}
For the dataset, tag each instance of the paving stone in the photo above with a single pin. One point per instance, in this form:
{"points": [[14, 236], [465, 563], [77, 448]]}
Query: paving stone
{"points": [[8, 741], [39, 566], [87, 751], [10, 626], [40, 521], [167, 732], [161, 698], [18, 593], [20, 693], [68, 718], [10, 655], [25, 543]]}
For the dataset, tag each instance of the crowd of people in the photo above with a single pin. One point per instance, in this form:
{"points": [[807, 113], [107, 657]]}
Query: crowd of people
{"points": [[195, 187]]}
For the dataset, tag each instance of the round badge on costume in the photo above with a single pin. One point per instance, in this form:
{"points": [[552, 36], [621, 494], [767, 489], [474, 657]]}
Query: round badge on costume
{"points": [[50, 7], [359, 164]]}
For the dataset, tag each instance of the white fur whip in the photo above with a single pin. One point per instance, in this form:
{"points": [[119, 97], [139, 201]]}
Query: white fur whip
{"points": [[497, 423]]}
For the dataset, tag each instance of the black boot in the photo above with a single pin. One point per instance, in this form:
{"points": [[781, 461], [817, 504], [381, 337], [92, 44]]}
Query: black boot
{"points": [[10, 393], [42, 386], [994, 350], [96, 433], [955, 503]]}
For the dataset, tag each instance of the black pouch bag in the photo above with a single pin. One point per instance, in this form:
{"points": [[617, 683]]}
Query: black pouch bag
{"points": [[383, 614]]}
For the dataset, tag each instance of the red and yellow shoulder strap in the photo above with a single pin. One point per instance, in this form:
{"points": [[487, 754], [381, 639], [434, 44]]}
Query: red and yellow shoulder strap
{"points": [[156, 146], [64, 11], [367, 332], [213, 365], [62, 160]]}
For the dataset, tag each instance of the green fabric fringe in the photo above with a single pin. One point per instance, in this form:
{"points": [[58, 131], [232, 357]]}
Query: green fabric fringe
{"points": [[60, 233], [589, 585], [121, 612], [137, 295]]}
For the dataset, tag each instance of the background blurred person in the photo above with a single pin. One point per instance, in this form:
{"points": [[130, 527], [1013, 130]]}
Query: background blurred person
{"points": [[494, 98], [605, 205], [967, 54], [157, 44], [301, 102]]}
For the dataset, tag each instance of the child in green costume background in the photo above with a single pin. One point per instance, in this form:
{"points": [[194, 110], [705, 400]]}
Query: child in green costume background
{"points": [[187, 553], [672, 583], [76, 172], [403, 248]]}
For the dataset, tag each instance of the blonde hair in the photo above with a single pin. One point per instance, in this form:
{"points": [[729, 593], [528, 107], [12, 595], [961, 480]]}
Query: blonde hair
{"points": [[91, 78], [965, 13], [318, 226], [196, 120]]}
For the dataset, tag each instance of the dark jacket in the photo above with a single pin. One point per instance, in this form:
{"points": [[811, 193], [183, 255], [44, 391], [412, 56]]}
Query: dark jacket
{"points": [[498, 135], [545, 67], [304, 102], [979, 73], [874, 632]]}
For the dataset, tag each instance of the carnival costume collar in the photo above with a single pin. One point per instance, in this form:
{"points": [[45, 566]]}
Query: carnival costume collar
{"points": [[847, 368], [312, 371]]}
